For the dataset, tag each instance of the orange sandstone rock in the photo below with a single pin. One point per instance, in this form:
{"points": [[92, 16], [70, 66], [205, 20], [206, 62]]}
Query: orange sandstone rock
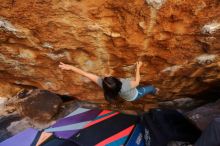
{"points": [[105, 36]]}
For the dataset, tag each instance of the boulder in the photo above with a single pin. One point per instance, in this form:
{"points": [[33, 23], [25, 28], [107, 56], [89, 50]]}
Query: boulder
{"points": [[203, 115], [175, 39], [39, 105]]}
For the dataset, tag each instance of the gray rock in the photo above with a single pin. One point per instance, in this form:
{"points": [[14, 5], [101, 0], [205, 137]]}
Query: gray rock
{"points": [[203, 115], [4, 123], [181, 103], [18, 126]]}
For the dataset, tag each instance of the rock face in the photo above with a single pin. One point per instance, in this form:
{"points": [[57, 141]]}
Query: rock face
{"points": [[8, 90], [108, 36], [203, 115], [39, 105], [5, 122], [190, 79]]}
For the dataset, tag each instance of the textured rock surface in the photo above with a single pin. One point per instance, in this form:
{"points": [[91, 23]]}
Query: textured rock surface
{"points": [[5, 122], [191, 79], [39, 105], [108, 36], [202, 116], [8, 90]]}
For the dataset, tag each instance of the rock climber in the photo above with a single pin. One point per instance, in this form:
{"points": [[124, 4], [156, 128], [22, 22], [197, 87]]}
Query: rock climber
{"points": [[116, 88]]}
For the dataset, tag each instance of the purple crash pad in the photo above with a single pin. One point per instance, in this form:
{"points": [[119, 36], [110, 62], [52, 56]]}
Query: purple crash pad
{"points": [[70, 125], [24, 138]]}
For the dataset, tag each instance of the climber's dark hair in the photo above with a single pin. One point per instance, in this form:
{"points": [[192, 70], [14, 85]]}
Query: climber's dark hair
{"points": [[111, 87]]}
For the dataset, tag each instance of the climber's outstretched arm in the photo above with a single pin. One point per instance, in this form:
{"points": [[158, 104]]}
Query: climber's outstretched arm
{"points": [[135, 83], [91, 76]]}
